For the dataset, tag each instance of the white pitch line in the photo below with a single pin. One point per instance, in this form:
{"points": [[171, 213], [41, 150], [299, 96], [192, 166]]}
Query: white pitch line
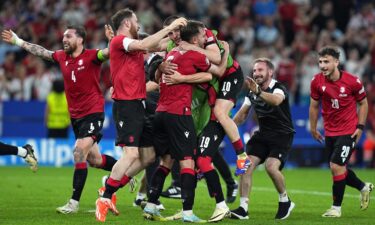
{"points": [[296, 191]]}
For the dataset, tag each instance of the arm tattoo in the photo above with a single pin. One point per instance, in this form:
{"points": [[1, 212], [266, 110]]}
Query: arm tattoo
{"points": [[38, 51]]}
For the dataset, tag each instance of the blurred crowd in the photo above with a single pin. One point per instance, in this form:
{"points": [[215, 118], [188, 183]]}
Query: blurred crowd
{"points": [[287, 31]]}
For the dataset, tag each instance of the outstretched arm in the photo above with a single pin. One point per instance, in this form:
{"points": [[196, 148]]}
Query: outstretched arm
{"points": [[152, 42], [11, 38]]}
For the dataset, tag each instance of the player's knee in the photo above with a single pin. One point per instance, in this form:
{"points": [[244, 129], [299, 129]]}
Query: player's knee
{"points": [[220, 112], [272, 166], [337, 169], [204, 164], [132, 154], [79, 154]]}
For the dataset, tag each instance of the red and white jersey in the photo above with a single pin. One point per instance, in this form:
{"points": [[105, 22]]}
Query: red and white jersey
{"points": [[82, 82], [127, 70], [339, 102], [176, 99]]}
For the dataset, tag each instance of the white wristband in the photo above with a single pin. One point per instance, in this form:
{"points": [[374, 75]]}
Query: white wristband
{"points": [[19, 42]]}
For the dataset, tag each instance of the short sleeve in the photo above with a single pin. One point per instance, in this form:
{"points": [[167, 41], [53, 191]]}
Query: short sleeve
{"points": [[358, 90], [126, 42], [210, 37], [57, 55], [314, 89]]}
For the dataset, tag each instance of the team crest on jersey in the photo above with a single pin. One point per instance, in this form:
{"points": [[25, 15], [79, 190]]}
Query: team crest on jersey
{"points": [[80, 62], [187, 134], [215, 137], [342, 92], [323, 88], [235, 81], [121, 123], [66, 63]]}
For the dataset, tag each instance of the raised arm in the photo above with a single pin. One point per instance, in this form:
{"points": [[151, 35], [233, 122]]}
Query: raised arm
{"points": [[11, 38], [273, 99], [103, 54], [152, 42]]}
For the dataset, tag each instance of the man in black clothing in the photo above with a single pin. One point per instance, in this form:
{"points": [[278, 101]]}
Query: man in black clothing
{"points": [[272, 143]]}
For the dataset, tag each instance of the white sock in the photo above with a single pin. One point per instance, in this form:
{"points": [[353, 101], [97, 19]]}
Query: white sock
{"points": [[188, 212], [140, 195], [74, 202], [365, 188], [221, 205], [338, 208], [22, 152], [283, 197], [244, 203]]}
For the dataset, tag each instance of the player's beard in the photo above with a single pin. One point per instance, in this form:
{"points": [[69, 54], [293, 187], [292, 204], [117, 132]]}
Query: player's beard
{"points": [[259, 79], [70, 49], [133, 32]]}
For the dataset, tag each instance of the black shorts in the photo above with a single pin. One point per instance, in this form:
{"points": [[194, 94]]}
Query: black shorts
{"points": [[264, 146], [88, 126], [174, 135], [231, 85], [129, 118], [210, 138], [339, 148]]}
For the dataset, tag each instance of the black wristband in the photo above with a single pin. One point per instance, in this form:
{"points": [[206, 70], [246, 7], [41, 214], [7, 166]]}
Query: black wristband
{"points": [[360, 126]]}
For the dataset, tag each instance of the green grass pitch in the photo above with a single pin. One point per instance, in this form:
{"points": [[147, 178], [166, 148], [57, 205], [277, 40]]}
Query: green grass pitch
{"points": [[28, 199]]}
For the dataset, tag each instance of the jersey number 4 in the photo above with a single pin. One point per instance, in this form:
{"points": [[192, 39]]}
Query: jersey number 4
{"points": [[73, 77]]}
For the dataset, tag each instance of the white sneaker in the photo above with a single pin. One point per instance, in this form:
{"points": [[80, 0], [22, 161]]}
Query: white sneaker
{"points": [[71, 207], [219, 214], [332, 212], [365, 195]]}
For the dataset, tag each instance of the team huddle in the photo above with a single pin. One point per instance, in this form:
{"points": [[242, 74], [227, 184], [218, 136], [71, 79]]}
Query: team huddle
{"points": [[172, 96]]}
